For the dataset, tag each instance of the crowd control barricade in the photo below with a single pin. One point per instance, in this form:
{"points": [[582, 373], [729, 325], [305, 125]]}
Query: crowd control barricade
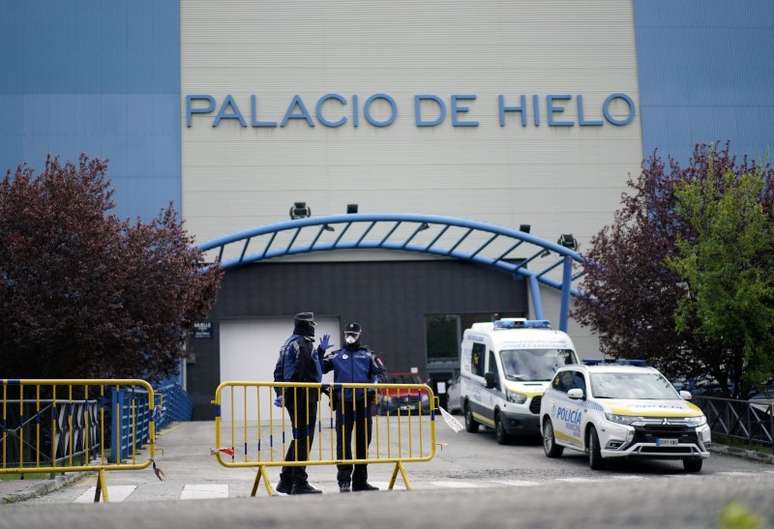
{"points": [[254, 426], [76, 425]]}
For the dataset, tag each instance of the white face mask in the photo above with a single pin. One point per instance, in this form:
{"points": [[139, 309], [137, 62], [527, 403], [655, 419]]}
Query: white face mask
{"points": [[350, 338]]}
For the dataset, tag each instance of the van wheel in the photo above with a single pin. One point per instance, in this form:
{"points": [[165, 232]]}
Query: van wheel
{"points": [[595, 453], [471, 426], [692, 464], [549, 441], [500, 434]]}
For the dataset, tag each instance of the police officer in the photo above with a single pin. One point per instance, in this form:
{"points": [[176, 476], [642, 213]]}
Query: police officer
{"points": [[299, 361], [353, 363]]}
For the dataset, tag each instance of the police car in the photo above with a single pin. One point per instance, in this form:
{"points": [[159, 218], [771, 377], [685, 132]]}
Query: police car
{"points": [[505, 366], [622, 411]]}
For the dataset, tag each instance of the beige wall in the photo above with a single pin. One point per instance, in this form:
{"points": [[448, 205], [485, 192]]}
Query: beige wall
{"points": [[556, 179]]}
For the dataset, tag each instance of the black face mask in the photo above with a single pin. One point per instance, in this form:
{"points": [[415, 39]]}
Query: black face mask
{"points": [[304, 328]]}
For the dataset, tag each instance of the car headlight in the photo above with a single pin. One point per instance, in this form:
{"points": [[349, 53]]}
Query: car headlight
{"points": [[516, 398], [701, 420], [622, 419]]}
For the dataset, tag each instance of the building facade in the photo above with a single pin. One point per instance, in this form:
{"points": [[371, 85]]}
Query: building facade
{"points": [[507, 113]]}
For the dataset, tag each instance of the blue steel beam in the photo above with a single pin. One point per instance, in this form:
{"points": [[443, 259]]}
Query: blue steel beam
{"points": [[564, 305], [534, 294], [432, 220]]}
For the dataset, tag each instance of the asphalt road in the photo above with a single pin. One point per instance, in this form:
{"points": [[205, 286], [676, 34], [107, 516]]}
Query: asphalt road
{"points": [[474, 482]]}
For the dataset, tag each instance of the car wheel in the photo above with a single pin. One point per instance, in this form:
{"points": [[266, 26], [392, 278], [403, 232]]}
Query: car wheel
{"points": [[471, 426], [595, 453], [549, 441], [692, 464], [500, 434]]}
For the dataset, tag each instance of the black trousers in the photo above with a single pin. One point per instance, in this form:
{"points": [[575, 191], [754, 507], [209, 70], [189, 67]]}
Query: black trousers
{"points": [[303, 421], [353, 417]]}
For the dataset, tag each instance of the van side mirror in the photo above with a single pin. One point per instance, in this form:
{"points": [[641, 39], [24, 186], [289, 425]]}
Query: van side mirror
{"points": [[491, 380], [576, 394], [685, 395]]}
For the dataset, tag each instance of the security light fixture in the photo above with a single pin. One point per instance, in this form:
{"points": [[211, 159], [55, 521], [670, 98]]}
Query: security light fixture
{"points": [[328, 227], [300, 210], [424, 226], [525, 228], [568, 241], [351, 209]]}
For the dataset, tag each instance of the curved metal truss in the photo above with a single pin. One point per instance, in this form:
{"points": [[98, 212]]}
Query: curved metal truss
{"points": [[466, 240]]}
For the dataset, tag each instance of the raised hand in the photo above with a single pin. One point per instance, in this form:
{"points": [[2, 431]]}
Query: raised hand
{"points": [[325, 342]]}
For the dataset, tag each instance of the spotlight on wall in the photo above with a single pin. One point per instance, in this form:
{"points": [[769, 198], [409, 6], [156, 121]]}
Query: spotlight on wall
{"points": [[300, 210], [351, 209], [424, 226], [525, 228], [568, 241], [328, 227]]}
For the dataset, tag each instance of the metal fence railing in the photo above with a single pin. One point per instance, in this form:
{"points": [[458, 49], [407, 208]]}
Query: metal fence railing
{"points": [[750, 421], [173, 404], [75, 425], [295, 424]]}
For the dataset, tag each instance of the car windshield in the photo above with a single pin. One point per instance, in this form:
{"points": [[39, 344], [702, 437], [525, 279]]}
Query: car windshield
{"points": [[534, 364], [647, 386]]}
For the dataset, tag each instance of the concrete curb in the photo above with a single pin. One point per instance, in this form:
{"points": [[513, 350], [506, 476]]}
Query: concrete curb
{"points": [[752, 455], [42, 488]]}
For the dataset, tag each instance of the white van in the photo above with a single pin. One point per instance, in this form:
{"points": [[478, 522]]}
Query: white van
{"points": [[505, 366]]}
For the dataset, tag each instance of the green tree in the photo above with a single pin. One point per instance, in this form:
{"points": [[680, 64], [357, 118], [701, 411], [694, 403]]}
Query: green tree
{"points": [[726, 263]]}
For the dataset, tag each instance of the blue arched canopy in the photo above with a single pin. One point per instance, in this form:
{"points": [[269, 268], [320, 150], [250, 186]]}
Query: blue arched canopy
{"points": [[466, 240]]}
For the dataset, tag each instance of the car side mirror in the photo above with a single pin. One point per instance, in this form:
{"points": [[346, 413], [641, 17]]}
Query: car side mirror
{"points": [[576, 394], [685, 395], [491, 380]]}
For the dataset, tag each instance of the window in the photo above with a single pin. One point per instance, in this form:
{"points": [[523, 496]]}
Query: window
{"points": [[534, 364], [492, 368], [477, 359], [578, 381], [563, 381], [632, 386], [442, 332]]}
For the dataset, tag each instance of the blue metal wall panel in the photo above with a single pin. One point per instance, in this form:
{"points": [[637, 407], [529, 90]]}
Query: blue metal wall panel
{"points": [[100, 77], [706, 74]]}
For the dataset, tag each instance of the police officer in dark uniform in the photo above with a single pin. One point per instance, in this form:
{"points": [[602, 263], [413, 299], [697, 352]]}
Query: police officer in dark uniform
{"points": [[353, 363], [300, 361]]}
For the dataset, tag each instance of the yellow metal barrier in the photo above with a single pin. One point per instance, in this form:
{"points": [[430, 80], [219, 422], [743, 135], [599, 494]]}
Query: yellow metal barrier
{"points": [[398, 419], [76, 425]]}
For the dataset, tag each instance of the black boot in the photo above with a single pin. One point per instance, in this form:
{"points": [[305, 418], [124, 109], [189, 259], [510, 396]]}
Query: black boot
{"points": [[284, 487], [304, 488], [363, 487], [345, 486]]}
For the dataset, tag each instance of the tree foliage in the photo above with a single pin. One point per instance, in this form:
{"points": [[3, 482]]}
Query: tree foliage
{"points": [[84, 293], [728, 271], [633, 288]]}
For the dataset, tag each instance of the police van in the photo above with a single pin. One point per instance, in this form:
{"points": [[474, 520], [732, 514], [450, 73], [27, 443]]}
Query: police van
{"points": [[505, 367]]}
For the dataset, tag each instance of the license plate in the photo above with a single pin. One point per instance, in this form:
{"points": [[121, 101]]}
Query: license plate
{"points": [[667, 442]]}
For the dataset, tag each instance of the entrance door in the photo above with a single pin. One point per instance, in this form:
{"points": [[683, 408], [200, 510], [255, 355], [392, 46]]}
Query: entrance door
{"points": [[249, 351]]}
